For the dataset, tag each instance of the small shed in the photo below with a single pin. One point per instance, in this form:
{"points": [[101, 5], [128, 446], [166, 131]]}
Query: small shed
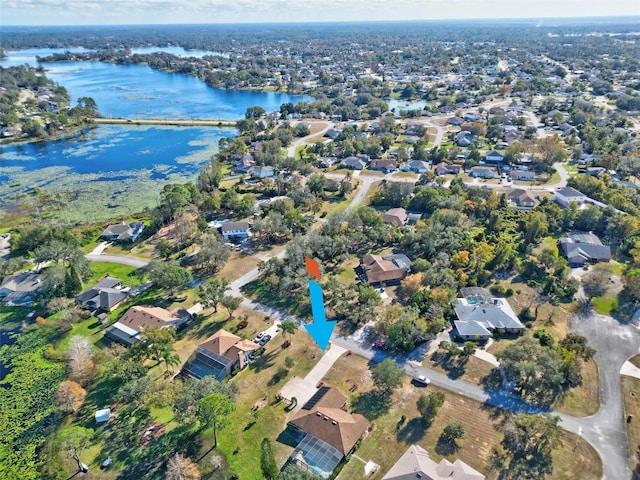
{"points": [[370, 468], [103, 415]]}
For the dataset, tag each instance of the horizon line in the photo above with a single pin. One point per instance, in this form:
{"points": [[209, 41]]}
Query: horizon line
{"points": [[629, 18]]}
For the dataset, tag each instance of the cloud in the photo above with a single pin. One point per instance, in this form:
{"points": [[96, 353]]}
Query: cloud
{"points": [[241, 11]]}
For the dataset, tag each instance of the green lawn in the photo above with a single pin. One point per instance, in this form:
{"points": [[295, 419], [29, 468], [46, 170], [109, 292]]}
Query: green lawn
{"points": [[123, 272], [604, 305]]}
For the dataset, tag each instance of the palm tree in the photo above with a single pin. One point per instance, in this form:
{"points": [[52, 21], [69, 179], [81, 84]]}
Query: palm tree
{"points": [[169, 357], [288, 327]]}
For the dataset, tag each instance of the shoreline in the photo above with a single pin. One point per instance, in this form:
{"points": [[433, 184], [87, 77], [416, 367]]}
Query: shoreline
{"points": [[161, 121]]}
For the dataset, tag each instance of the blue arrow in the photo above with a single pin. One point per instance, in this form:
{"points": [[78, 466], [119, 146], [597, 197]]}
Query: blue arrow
{"points": [[320, 330]]}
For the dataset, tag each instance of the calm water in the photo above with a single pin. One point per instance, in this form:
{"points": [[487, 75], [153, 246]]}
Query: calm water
{"points": [[111, 149], [118, 170], [138, 91]]}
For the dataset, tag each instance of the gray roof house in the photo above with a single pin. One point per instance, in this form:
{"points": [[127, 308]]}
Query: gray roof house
{"points": [[567, 195], [483, 172], [395, 216], [478, 315], [493, 157], [416, 166], [353, 163], [105, 295], [262, 172], [20, 290], [581, 247], [416, 464], [123, 232]]}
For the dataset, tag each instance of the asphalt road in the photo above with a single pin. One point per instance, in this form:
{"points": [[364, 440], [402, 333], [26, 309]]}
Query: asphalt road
{"points": [[606, 431], [132, 261]]}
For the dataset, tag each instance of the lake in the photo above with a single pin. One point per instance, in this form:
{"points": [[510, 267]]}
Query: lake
{"points": [[117, 170]]}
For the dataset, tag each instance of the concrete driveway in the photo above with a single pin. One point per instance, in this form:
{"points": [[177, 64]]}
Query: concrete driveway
{"points": [[304, 388]]}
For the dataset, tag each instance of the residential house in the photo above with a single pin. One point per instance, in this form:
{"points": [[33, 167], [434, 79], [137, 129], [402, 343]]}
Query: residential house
{"points": [[327, 432], [521, 197], [395, 216], [219, 355], [457, 121], [388, 269], [353, 163], [583, 247], [386, 166], [483, 172], [596, 171], [446, 169], [106, 295], [511, 137], [493, 157], [234, 230], [243, 165], [128, 328], [333, 133], [416, 166], [472, 117], [416, 464], [20, 290], [262, 172], [523, 175], [567, 195], [325, 162], [123, 232], [478, 315], [464, 139]]}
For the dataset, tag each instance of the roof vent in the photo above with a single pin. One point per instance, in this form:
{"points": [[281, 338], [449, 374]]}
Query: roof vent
{"points": [[326, 418], [318, 414], [334, 422]]}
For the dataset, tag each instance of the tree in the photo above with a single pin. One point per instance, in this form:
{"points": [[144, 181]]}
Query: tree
{"points": [[288, 327], [80, 360], [428, 405], [212, 412], [268, 460], [254, 112], [168, 275], [186, 401], [213, 254], [596, 283], [211, 292], [530, 439], [469, 349], [453, 431], [181, 468], [164, 248], [316, 183], [293, 472], [73, 440], [169, 357], [387, 376], [70, 396], [231, 303]]}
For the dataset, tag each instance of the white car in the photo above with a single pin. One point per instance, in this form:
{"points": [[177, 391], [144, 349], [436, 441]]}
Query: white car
{"points": [[421, 380]]}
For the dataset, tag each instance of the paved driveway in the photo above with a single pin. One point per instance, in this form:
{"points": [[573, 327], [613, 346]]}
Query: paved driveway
{"points": [[304, 388]]}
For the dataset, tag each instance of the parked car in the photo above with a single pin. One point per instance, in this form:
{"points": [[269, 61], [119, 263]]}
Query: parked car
{"points": [[106, 463], [421, 380], [263, 341]]}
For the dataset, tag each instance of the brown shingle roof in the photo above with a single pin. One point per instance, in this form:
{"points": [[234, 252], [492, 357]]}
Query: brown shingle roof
{"points": [[377, 269], [328, 422], [228, 345], [139, 317]]}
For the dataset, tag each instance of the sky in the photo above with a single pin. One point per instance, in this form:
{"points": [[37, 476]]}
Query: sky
{"points": [[107, 12]]}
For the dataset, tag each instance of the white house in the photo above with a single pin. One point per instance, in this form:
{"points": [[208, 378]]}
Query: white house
{"points": [[231, 230], [523, 175], [566, 195]]}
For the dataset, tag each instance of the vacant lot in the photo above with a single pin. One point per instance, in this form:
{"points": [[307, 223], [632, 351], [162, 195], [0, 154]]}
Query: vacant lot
{"points": [[631, 398], [391, 437]]}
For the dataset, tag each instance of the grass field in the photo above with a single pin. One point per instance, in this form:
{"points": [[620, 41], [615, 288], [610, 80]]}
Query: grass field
{"points": [[631, 399], [605, 305], [122, 272]]}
